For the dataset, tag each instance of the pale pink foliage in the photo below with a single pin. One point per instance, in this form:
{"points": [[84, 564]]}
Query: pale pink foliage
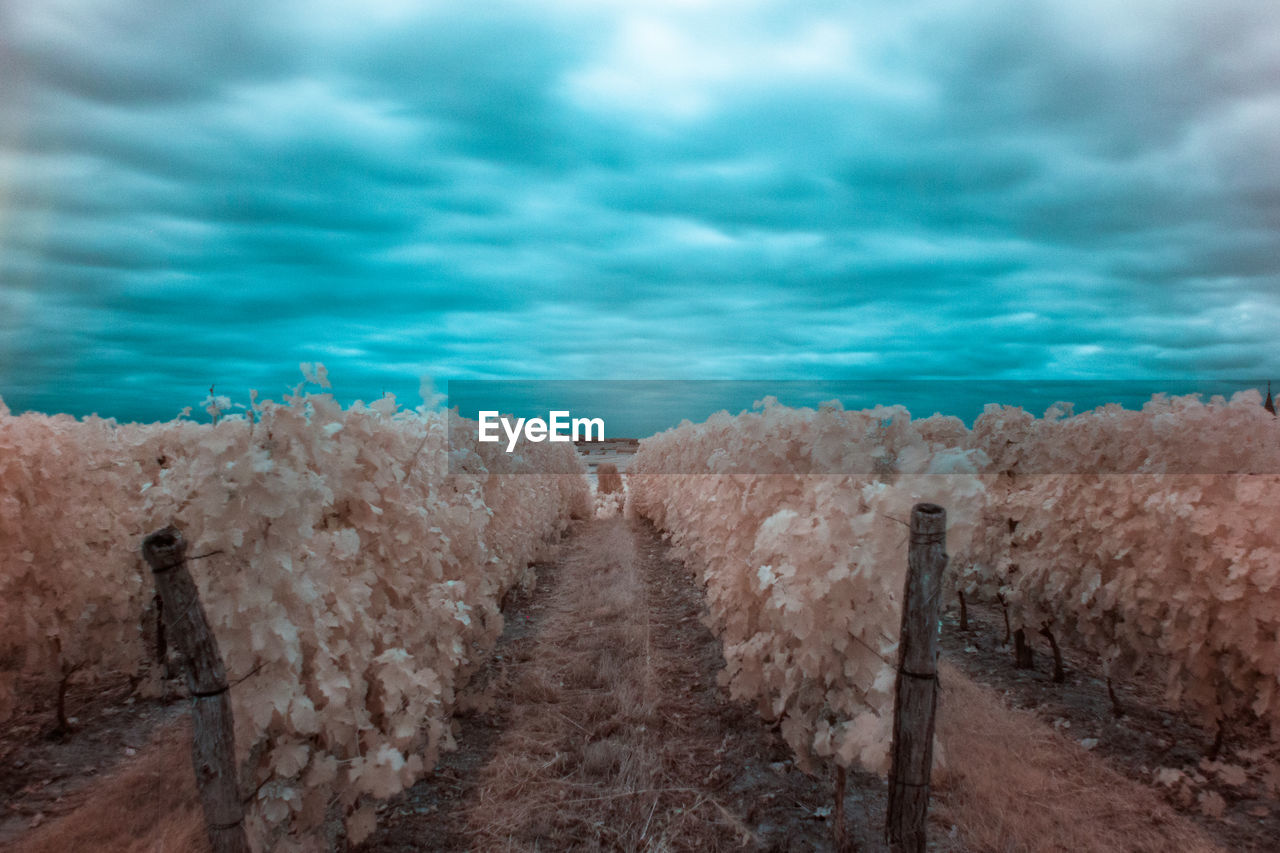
{"points": [[356, 571], [804, 572], [1175, 566], [1146, 560]]}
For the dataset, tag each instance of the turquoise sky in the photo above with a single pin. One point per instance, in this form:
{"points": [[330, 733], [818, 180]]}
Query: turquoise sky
{"points": [[606, 190]]}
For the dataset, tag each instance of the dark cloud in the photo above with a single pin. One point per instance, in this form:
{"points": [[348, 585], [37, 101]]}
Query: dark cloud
{"points": [[1027, 190]]}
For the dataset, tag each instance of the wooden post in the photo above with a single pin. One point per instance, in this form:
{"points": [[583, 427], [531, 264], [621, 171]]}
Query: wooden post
{"points": [[213, 746], [162, 645], [916, 695], [840, 831]]}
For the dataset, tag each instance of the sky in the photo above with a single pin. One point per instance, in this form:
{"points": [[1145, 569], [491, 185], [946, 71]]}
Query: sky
{"points": [[969, 190]]}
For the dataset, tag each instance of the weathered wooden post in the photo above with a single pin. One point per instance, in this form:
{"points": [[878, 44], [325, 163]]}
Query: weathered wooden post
{"points": [[916, 696], [213, 746]]}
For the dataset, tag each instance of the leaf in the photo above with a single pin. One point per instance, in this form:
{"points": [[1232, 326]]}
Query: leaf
{"points": [[1211, 804], [361, 824], [289, 759]]}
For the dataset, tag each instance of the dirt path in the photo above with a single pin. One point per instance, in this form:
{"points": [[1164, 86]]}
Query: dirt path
{"points": [[598, 724], [608, 730], [1235, 800], [42, 778]]}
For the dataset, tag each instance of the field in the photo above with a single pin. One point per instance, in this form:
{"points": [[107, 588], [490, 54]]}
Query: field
{"points": [[435, 648]]}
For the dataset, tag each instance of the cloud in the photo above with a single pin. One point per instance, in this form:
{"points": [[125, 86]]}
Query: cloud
{"points": [[679, 189]]}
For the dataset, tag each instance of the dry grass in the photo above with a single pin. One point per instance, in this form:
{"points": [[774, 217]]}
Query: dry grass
{"points": [[595, 756], [148, 806], [1017, 785], [587, 761]]}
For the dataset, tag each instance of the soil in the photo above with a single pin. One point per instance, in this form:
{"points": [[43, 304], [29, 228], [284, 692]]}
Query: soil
{"points": [[1149, 736], [427, 815], [40, 775], [598, 723], [725, 779]]}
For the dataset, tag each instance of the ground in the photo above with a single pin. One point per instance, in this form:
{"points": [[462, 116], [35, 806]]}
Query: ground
{"points": [[40, 775], [604, 728], [598, 723], [1235, 799]]}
